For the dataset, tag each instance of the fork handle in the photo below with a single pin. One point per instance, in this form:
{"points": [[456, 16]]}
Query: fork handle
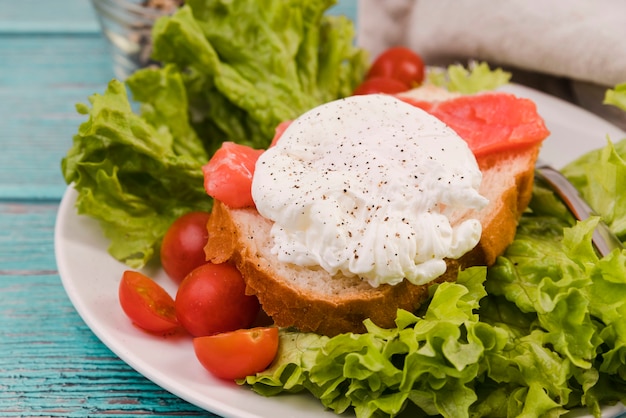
{"points": [[603, 238]]}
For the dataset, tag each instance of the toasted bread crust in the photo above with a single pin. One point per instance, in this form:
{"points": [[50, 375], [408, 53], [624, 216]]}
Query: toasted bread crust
{"points": [[291, 305], [500, 226], [286, 293]]}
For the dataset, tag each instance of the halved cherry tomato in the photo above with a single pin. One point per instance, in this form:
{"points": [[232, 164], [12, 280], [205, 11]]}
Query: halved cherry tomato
{"points": [[384, 85], [212, 299], [182, 249], [399, 63], [237, 354], [146, 303]]}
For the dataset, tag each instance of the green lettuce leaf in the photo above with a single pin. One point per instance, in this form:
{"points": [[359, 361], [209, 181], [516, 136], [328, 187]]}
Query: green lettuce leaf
{"points": [[600, 176], [547, 277], [432, 363], [616, 96], [136, 175], [570, 299], [474, 79], [232, 71], [567, 310], [250, 65], [542, 333]]}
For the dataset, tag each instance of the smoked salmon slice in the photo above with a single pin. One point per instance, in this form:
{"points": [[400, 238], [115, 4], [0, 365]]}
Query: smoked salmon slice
{"points": [[228, 174], [489, 122]]}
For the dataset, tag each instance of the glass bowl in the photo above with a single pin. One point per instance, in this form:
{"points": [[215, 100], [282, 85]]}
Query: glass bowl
{"points": [[127, 25]]}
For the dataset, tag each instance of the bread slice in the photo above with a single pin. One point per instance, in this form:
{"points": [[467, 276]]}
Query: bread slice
{"points": [[310, 299]]}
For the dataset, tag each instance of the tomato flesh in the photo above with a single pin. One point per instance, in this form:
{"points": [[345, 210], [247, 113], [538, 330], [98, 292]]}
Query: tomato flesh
{"points": [[237, 354], [399, 63], [146, 303], [228, 174], [380, 85], [212, 299], [182, 249]]}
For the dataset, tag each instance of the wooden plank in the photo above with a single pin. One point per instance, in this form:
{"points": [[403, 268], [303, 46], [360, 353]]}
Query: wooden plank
{"points": [[42, 77], [78, 16], [49, 16], [51, 57], [52, 364]]}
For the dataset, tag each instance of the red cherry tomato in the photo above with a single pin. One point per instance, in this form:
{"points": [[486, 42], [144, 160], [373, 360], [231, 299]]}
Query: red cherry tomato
{"points": [[401, 64], [212, 299], [380, 85], [237, 354], [146, 303], [182, 249]]}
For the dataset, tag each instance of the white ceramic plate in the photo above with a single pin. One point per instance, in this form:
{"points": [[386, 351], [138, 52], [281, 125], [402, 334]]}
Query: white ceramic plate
{"points": [[91, 277]]}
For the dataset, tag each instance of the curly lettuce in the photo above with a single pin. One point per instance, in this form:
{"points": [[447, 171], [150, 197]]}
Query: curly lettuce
{"points": [[540, 333], [430, 361], [232, 71], [136, 174], [468, 80], [616, 96], [250, 65], [601, 178]]}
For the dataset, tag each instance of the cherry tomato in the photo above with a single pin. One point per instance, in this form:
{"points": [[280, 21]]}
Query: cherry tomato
{"points": [[401, 64], [146, 303], [212, 299], [237, 354], [380, 85], [182, 249]]}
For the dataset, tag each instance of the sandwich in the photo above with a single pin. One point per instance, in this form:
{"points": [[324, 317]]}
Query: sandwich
{"points": [[365, 202]]}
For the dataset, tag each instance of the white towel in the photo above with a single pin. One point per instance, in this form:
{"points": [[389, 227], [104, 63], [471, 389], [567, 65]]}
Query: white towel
{"points": [[578, 39]]}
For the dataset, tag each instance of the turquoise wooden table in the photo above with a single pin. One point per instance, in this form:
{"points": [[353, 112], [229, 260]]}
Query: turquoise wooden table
{"points": [[53, 56]]}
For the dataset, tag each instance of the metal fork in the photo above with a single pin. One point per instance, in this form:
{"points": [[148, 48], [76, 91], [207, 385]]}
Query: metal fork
{"points": [[603, 238]]}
